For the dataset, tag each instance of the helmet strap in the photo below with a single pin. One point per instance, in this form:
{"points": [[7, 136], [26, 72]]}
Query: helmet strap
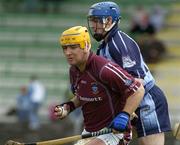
{"points": [[108, 29], [105, 21]]}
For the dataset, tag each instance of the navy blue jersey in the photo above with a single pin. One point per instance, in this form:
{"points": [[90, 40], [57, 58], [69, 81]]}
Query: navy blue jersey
{"points": [[152, 117], [123, 50]]}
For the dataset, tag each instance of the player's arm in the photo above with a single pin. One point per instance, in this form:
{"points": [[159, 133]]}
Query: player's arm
{"points": [[76, 102], [129, 88], [62, 110], [134, 100], [121, 121]]}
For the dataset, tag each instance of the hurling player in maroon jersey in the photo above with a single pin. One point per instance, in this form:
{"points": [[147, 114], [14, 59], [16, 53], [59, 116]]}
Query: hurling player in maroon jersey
{"points": [[107, 94]]}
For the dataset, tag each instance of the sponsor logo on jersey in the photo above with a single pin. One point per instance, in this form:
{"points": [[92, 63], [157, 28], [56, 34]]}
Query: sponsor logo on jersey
{"points": [[127, 62], [90, 99]]}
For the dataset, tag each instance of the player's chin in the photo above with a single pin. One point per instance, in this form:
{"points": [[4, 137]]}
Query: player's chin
{"points": [[71, 62]]}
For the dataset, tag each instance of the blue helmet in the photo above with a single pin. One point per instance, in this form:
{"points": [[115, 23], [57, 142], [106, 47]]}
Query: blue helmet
{"points": [[99, 13], [104, 10]]}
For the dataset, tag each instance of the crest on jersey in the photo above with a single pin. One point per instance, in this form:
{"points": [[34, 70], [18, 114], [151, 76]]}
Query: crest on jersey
{"points": [[94, 88], [127, 62]]}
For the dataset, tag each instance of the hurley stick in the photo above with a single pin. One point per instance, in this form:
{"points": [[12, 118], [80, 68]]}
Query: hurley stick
{"points": [[63, 140], [176, 134], [176, 131]]}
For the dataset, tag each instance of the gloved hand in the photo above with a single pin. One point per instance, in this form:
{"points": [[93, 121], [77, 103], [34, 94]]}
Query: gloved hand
{"points": [[120, 122]]}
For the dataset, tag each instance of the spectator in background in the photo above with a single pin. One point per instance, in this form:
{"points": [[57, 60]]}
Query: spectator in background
{"points": [[157, 17], [144, 32], [138, 15], [23, 107], [143, 27], [36, 92]]}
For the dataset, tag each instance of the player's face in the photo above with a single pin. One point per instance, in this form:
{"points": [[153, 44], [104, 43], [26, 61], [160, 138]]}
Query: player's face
{"points": [[74, 54], [96, 25]]}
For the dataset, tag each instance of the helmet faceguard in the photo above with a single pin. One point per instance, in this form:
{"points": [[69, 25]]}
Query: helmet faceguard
{"points": [[77, 35], [100, 13], [96, 27]]}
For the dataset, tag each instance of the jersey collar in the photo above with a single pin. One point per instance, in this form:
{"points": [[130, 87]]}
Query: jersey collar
{"points": [[111, 33], [109, 36], [91, 55]]}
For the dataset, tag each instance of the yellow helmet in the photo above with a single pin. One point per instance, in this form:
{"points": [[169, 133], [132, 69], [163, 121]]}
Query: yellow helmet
{"points": [[75, 35]]}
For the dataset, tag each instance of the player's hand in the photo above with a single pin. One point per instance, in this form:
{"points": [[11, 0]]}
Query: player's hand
{"points": [[120, 122], [61, 111]]}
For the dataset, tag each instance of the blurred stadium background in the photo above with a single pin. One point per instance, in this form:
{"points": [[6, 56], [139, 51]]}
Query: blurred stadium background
{"points": [[29, 32]]}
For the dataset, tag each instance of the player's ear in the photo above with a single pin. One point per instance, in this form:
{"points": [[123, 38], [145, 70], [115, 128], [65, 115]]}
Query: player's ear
{"points": [[87, 46]]}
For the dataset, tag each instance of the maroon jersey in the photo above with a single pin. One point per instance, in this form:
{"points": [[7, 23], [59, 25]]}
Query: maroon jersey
{"points": [[102, 89]]}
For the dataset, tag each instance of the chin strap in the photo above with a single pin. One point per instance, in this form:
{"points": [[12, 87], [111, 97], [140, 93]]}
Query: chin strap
{"points": [[108, 29]]}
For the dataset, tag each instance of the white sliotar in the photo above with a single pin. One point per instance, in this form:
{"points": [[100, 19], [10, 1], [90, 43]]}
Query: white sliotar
{"points": [[63, 111]]}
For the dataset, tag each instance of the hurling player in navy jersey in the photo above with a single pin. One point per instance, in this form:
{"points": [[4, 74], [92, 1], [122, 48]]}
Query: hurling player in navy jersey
{"points": [[117, 46], [107, 94]]}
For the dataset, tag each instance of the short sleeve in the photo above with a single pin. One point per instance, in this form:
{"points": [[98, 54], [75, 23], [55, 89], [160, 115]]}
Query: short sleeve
{"points": [[119, 80]]}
